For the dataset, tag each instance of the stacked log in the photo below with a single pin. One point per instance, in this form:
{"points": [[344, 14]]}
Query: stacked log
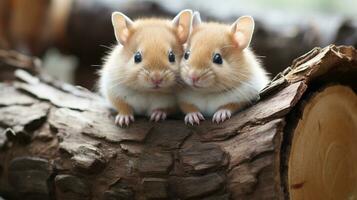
{"points": [[59, 141]]}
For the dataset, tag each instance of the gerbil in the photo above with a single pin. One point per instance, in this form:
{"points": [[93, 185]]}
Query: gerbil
{"points": [[221, 73], [140, 74]]}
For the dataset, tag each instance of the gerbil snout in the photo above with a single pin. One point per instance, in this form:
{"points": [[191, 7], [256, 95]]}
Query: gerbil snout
{"points": [[198, 79], [156, 79], [194, 77]]}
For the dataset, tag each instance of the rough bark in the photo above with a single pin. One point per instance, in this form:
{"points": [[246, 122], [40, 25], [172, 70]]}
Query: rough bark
{"points": [[58, 141]]}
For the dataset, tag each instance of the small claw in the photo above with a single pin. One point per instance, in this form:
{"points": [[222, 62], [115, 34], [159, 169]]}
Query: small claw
{"points": [[191, 121], [186, 119], [197, 122], [193, 118], [116, 121], [214, 117], [122, 120], [221, 116], [229, 115], [127, 120], [158, 115], [200, 116], [152, 117]]}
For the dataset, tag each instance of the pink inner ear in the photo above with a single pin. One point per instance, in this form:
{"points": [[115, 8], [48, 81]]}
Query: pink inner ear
{"points": [[181, 33], [240, 40], [124, 35]]}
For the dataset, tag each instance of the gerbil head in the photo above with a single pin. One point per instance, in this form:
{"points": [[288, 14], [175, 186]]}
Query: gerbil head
{"points": [[152, 50], [214, 59]]}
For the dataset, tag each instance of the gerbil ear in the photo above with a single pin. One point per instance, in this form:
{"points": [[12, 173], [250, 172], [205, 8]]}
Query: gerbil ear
{"points": [[242, 31], [182, 24], [196, 19], [122, 25]]}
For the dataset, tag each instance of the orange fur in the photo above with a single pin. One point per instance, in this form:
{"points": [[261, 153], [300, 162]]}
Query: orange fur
{"points": [[121, 106], [233, 107], [154, 37], [187, 107]]}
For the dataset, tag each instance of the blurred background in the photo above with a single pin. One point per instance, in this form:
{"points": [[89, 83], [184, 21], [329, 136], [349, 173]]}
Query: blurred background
{"points": [[72, 36]]}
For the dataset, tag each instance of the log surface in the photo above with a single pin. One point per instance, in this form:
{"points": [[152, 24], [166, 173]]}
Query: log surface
{"points": [[59, 141]]}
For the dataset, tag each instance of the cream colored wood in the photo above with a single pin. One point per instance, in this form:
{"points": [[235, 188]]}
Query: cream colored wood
{"points": [[323, 157]]}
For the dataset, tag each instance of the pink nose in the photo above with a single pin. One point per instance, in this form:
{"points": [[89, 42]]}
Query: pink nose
{"points": [[194, 78], [157, 81]]}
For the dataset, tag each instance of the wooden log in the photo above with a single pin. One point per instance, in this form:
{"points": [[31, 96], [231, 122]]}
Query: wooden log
{"points": [[11, 61], [298, 141], [331, 168]]}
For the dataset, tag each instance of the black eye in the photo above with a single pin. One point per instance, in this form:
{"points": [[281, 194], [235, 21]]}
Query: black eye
{"points": [[187, 54], [137, 57], [171, 57], [217, 58]]}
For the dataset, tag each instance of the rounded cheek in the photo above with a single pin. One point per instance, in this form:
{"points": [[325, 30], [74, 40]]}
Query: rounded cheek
{"points": [[224, 76], [207, 81], [166, 83], [120, 74], [210, 79], [137, 78], [146, 78], [169, 81]]}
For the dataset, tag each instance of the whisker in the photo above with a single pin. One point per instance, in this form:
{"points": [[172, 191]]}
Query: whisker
{"points": [[107, 47], [206, 72]]}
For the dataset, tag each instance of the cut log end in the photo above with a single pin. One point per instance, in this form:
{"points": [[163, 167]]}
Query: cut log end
{"points": [[323, 154]]}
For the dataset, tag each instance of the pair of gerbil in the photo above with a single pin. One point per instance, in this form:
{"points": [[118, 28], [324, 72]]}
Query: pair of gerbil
{"points": [[205, 69]]}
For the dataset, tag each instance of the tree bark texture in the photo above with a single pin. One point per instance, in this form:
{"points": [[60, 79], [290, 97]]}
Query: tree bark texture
{"points": [[58, 141]]}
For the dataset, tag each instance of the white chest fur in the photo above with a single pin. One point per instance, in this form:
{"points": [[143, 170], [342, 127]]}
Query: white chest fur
{"points": [[209, 103], [143, 103]]}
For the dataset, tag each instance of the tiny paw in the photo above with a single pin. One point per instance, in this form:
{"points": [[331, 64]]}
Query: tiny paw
{"points": [[158, 115], [122, 120], [193, 118], [221, 115]]}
